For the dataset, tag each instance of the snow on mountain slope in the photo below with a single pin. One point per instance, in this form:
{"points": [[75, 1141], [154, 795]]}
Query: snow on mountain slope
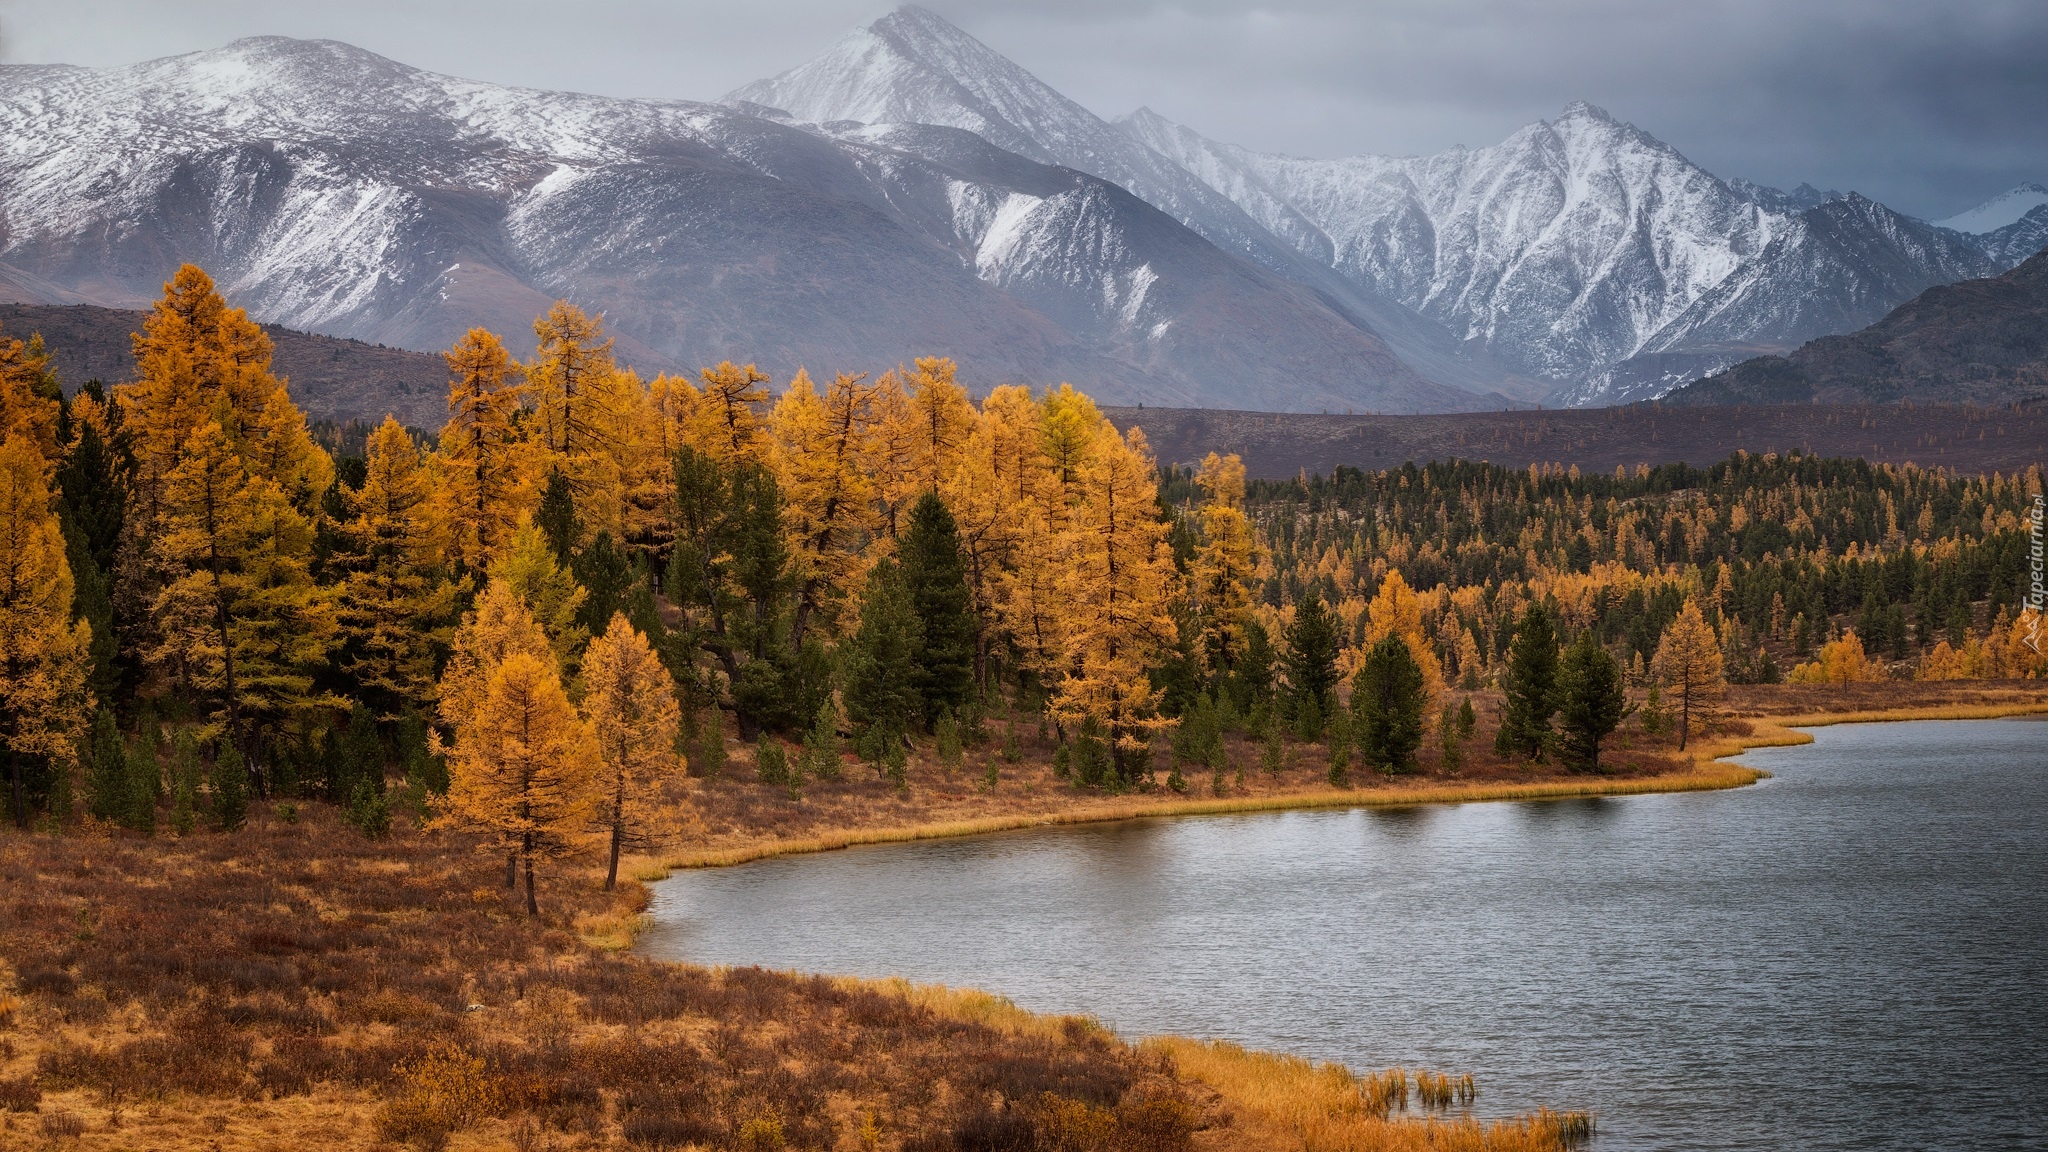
{"points": [[2015, 242], [912, 67], [2005, 208], [337, 191], [1562, 248], [1588, 253]]}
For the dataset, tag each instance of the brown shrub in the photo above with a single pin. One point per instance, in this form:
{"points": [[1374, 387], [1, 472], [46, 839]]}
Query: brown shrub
{"points": [[20, 1094]]}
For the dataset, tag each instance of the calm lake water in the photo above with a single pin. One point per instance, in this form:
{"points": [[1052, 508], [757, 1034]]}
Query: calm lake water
{"points": [[1851, 955]]}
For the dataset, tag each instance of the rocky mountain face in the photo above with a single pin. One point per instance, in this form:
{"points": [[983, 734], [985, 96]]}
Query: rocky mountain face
{"points": [[1580, 259], [1980, 341], [336, 191]]}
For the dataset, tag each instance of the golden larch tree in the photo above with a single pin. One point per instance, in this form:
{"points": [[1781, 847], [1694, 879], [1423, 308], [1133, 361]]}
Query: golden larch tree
{"points": [[818, 453], [193, 352], [1397, 611], [238, 615], [524, 771], [395, 603], [945, 419], [486, 475], [630, 703], [1225, 562], [1689, 664], [726, 422], [44, 701], [30, 397], [1116, 602]]}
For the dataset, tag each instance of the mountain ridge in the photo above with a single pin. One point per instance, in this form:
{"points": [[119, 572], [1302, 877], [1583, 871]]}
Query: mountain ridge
{"points": [[1981, 341], [335, 190]]}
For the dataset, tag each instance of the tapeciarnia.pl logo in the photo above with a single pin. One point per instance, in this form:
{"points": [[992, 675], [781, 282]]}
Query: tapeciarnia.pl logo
{"points": [[2037, 595]]}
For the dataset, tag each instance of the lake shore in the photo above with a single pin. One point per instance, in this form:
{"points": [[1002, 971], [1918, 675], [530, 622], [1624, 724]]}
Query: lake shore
{"points": [[1755, 717]]}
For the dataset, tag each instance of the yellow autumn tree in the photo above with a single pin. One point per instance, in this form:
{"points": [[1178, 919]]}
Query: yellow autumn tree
{"points": [[523, 772], [1067, 434], [394, 603], [572, 381], [630, 703], [892, 452], [1397, 611], [238, 616], [1224, 563], [819, 455], [1839, 662], [531, 571], [725, 422], [194, 353], [486, 478], [499, 625], [1115, 603], [1688, 663], [29, 394], [945, 419], [44, 701]]}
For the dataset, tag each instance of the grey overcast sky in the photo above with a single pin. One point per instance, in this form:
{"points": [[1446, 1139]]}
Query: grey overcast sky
{"points": [[1928, 105]]}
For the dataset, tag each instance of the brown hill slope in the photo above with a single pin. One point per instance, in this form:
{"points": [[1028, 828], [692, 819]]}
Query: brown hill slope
{"points": [[1278, 445], [330, 378], [1978, 342]]}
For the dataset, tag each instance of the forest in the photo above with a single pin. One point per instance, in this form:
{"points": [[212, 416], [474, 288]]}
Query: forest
{"points": [[585, 583]]}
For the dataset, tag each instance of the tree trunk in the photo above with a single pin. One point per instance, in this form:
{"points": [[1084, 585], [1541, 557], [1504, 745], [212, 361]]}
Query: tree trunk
{"points": [[1684, 714], [511, 869], [532, 908], [14, 778], [611, 876]]}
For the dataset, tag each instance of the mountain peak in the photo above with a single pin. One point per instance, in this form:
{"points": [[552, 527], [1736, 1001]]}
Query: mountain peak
{"points": [[1581, 110], [2007, 207]]}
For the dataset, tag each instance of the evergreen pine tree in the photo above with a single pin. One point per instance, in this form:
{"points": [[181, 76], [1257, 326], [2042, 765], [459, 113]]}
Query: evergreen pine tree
{"points": [[107, 785], [1387, 700], [1591, 702], [606, 575], [1311, 661], [1530, 687], [935, 577], [881, 692], [185, 773], [557, 520], [230, 798]]}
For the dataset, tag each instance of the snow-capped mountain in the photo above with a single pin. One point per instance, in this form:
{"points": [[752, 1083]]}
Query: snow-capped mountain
{"points": [[2008, 207], [334, 190], [1589, 253]]}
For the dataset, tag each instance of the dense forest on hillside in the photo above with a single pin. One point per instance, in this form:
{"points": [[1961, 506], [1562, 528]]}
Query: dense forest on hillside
{"points": [[1785, 553]]}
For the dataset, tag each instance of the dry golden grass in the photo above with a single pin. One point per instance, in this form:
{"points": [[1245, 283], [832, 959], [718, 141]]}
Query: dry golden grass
{"points": [[1286, 1102]]}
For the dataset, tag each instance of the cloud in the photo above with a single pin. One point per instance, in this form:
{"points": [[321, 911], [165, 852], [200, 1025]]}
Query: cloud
{"points": [[1927, 107]]}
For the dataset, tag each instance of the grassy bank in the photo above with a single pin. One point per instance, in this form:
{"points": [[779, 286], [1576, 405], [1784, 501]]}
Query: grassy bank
{"points": [[296, 985], [1700, 777]]}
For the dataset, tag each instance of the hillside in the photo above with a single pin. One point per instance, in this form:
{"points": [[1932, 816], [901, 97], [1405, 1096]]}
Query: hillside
{"points": [[1979, 342], [1280, 445], [331, 378]]}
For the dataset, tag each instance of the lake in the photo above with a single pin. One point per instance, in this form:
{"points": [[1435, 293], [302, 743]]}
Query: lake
{"points": [[1850, 955]]}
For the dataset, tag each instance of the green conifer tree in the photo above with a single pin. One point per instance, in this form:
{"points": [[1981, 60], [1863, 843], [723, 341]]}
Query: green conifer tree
{"points": [[1530, 687], [557, 520], [1592, 703], [230, 792], [1311, 659], [881, 677], [1387, 700], [107, 786], [935, 576]]}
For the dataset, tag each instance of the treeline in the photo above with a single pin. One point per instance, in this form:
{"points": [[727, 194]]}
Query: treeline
{"points": [[1921, 571], [535, 615]]}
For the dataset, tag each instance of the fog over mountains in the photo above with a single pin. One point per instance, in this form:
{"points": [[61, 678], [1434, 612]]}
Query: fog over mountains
{"points": [[911, 192]]}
